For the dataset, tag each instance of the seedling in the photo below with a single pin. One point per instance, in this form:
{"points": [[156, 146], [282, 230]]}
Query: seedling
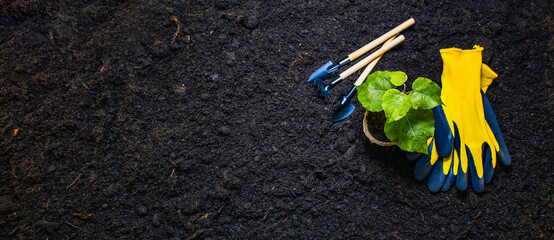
{"points": [[409, 118]]}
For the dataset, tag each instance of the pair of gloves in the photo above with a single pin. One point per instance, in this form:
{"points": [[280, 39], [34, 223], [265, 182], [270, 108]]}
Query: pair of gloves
{"points": [[467, 142]]}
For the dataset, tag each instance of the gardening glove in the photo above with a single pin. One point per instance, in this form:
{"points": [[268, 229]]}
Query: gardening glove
{"points": [[478, 142], [440, 147], [442, 135]]}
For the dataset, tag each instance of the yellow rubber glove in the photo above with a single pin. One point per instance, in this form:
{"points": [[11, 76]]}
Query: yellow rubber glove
{"points": [[463, 106], [472, 122]]}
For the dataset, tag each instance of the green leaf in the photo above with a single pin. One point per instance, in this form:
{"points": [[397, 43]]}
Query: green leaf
{"points": [[412, 131], [395, 104], [425, 94], [370, 93], [397, 78]]}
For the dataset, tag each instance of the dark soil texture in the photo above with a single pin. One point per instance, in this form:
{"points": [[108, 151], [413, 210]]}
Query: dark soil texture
{"points": [[177, 119]]}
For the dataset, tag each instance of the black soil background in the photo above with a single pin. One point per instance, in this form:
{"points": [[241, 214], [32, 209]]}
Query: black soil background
{"points": [[193, 120]]}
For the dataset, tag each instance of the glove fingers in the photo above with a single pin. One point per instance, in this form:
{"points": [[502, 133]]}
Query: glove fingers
{"points": [[477, 182], [502, 154], [487, 76], [488, 168], [443, 135], [461, 179], [450, 178], [461, 176], [423, 165], [412, 155], [437, 177]]}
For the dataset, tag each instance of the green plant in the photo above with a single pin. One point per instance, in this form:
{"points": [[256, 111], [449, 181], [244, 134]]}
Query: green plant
{"points": [[409, 117]]}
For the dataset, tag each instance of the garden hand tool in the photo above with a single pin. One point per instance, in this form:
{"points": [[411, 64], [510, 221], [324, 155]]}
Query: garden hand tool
{"points": [[325, 71], [477, 136], [345, 107], [325, 88]]}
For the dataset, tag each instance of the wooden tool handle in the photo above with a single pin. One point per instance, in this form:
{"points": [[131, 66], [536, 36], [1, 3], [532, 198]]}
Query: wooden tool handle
{"points": [[371, 65], [381, 39], [371, 57]]}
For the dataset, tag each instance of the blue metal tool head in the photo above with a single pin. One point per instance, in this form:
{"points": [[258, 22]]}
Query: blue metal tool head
{"points": [[325, 91], [324, 72], [320, 85], [343, 111], [345, 108]]}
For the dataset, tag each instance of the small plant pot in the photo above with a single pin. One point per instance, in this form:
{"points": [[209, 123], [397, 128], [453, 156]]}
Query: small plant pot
{"points": [[374, 122]]}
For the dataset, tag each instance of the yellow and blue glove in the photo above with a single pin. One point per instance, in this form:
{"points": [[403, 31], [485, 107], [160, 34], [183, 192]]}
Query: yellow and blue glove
{"points": [[467, 116]]}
